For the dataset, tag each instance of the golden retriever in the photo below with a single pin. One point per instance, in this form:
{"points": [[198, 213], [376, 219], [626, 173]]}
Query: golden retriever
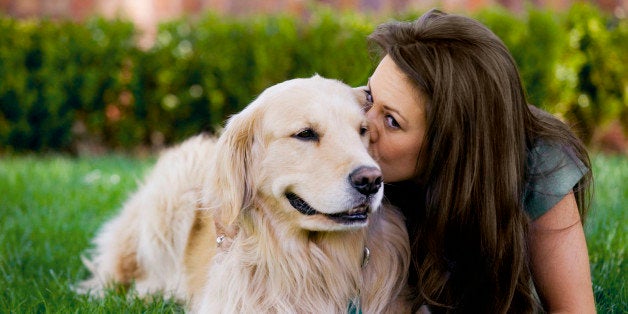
{"points": [[281, 213]]}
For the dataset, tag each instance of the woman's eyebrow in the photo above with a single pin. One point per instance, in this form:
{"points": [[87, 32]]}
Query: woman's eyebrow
{"points": [[388, 108], [399, 115]]}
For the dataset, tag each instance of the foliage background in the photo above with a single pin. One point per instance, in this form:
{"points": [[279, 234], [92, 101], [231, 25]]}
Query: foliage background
{"points": [[74, 87]]}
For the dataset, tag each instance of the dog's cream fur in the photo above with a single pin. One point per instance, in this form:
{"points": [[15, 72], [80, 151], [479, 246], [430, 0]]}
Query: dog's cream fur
{"points": [[273, 258]]}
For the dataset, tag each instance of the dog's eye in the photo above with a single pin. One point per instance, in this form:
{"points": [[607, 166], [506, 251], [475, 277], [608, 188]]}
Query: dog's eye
{"points": [[363, 130], [307, 135]]}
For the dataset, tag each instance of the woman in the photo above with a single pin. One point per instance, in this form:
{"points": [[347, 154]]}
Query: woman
{"points": [[494, 191]]}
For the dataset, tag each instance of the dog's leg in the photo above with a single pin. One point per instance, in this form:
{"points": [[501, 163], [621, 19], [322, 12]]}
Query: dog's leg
{"points": [[144, 245], [114, 258]]}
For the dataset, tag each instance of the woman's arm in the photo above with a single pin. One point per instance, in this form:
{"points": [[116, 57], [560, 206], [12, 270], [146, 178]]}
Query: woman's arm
{"points": [[560, 261]]}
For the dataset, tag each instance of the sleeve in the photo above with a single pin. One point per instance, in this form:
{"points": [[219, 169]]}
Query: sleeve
{"points": [[553, 171]]}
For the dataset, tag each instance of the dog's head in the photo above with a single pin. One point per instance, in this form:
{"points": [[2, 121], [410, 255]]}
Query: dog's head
{"points": [[299, 152]]}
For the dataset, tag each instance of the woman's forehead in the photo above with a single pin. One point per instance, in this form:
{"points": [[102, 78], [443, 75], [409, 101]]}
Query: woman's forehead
{"points": [[391, 88]]}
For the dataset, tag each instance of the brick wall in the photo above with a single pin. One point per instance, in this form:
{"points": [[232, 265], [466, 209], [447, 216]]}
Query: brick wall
{"points": [[147, 13], [163, 9]]}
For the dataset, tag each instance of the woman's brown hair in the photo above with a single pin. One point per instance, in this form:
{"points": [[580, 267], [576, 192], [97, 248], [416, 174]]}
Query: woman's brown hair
{"points": [[469, 227]]}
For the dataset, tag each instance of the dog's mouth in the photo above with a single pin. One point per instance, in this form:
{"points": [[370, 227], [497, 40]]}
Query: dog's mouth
{"points": [[357, 214]]}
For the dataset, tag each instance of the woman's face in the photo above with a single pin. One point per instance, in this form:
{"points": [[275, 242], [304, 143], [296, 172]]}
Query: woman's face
{"points": [[396, 121]]}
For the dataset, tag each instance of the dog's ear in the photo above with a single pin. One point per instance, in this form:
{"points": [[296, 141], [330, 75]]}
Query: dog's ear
{"points": [[233, 161]]}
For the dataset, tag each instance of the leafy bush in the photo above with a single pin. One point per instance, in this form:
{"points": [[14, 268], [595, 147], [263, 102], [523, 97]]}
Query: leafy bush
{"points": [[216, 66], [572, 64], [66, 83], [597, 55], [54, 75]]}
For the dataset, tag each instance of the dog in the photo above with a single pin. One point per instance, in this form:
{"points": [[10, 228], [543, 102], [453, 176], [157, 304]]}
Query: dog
{"points": [[280, 213]]}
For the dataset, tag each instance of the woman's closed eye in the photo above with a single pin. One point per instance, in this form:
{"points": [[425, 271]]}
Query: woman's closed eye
{"points": [[369, 100], [369, 96]]}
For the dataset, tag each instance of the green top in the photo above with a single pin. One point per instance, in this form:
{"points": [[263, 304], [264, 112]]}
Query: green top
{"points": [[553, 171]]}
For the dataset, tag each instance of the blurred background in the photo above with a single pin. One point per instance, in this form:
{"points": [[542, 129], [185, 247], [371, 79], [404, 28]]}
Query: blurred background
{"points": [[95, 76]]}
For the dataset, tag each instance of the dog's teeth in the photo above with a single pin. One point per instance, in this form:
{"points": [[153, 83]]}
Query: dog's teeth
{"points": [[361, 209]]}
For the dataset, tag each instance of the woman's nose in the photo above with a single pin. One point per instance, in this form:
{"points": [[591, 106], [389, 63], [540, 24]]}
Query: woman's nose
{"points": [[373, 130]]}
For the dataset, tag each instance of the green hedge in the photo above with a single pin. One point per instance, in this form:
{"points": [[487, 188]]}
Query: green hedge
{"points": [[63, 83], [573, 64], [55, 74]]}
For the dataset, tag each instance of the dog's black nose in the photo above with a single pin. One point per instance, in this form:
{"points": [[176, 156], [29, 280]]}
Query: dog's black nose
{"points": [[367, 180]]}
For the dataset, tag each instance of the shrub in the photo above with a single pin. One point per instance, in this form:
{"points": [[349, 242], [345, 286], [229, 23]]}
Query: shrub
{"points": [[55, 75], [63, 83], [596, 60], [572, 64]]}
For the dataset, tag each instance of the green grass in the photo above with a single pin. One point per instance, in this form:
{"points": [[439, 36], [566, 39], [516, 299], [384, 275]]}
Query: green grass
{"points": [[606, 229], [50, 208]]}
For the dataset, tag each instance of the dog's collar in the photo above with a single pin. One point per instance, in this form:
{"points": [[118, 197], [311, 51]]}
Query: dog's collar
{"points": [[366, 256], [224, 235]]}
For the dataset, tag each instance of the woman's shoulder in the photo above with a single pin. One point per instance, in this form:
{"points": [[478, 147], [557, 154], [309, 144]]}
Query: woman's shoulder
{"points": [[552, 170]]}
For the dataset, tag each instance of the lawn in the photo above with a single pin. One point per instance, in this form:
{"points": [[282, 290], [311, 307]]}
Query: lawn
{"points": [[50, 207]]}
